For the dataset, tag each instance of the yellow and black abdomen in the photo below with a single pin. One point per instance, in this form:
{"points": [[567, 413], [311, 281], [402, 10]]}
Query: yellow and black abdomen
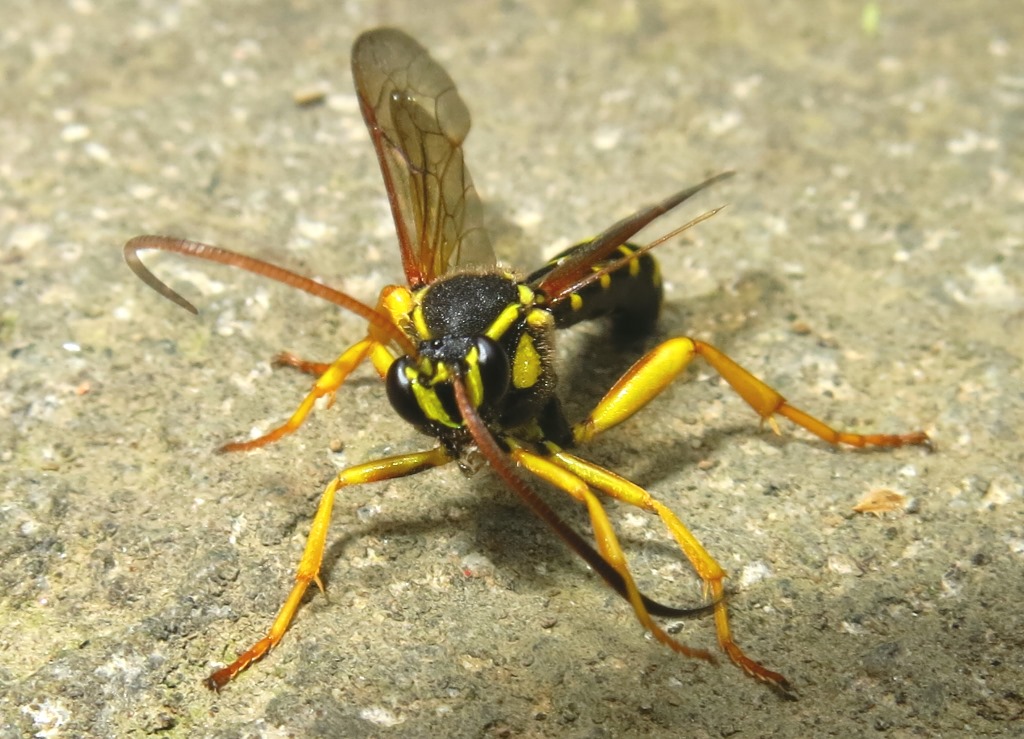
{"points": [[630, 294]]}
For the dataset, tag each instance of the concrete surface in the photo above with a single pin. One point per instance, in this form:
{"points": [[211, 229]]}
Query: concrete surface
{"points": [[869, 264]]}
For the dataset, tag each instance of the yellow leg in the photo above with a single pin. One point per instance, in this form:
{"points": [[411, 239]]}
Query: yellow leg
{"points": [[709, 571], [388, 468], [607, 542], [327, 384], [655, 370], [381, 358]]}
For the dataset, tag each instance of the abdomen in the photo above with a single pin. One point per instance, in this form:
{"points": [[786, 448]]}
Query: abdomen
{"points": [[630, 295]]}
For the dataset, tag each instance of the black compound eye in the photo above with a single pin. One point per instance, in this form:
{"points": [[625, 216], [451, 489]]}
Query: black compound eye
{"points": [[400, 393], [493, 365]]}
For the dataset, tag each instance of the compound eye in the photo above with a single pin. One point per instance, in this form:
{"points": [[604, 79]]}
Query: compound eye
{"points": [[494, 369], [400, 392]]}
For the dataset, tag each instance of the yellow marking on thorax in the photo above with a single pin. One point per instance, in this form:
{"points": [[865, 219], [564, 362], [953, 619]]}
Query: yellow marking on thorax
{"points": [[526, 366], [419, 323], [540, 319], [399, 304], [504, 321]]}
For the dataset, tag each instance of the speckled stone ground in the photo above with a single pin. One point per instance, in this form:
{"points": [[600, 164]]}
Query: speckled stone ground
{"points": [[869, 264]]}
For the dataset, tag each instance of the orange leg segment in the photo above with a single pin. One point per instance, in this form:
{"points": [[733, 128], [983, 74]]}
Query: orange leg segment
{"points": [[327, 384], [393, 301], [287, 359], [653, 372], [647, 378], [388, 468]]}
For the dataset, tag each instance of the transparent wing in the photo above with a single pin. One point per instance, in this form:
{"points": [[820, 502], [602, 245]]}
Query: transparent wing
{"points": [[418, 122]]}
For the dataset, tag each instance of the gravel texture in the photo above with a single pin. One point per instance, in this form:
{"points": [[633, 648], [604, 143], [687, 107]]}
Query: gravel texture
{"points": [[870, 265]]}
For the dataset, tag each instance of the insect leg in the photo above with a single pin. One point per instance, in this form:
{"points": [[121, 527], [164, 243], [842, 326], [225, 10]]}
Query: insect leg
{"points": [[709, 571], [607, 542], [388, 468], [327, 384], [394, 301], [655, 370], [287, 359]]}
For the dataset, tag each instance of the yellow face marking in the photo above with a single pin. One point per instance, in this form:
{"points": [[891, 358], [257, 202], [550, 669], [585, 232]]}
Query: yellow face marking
{"points": [[427, 375], [474, 383], [436, 373], [526, 366], [429, 403], [634, 267], [575, 301], [605, 280]]}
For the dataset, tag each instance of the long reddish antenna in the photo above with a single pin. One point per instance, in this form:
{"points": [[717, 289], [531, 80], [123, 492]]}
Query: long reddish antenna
{"points": [[195, 249]]}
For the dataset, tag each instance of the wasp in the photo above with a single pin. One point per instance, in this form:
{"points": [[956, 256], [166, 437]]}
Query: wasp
{"points": [[466, 349]]}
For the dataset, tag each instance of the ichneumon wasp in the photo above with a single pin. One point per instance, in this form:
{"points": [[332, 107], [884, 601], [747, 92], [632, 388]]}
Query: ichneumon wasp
{"points": [[466, 348]]}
